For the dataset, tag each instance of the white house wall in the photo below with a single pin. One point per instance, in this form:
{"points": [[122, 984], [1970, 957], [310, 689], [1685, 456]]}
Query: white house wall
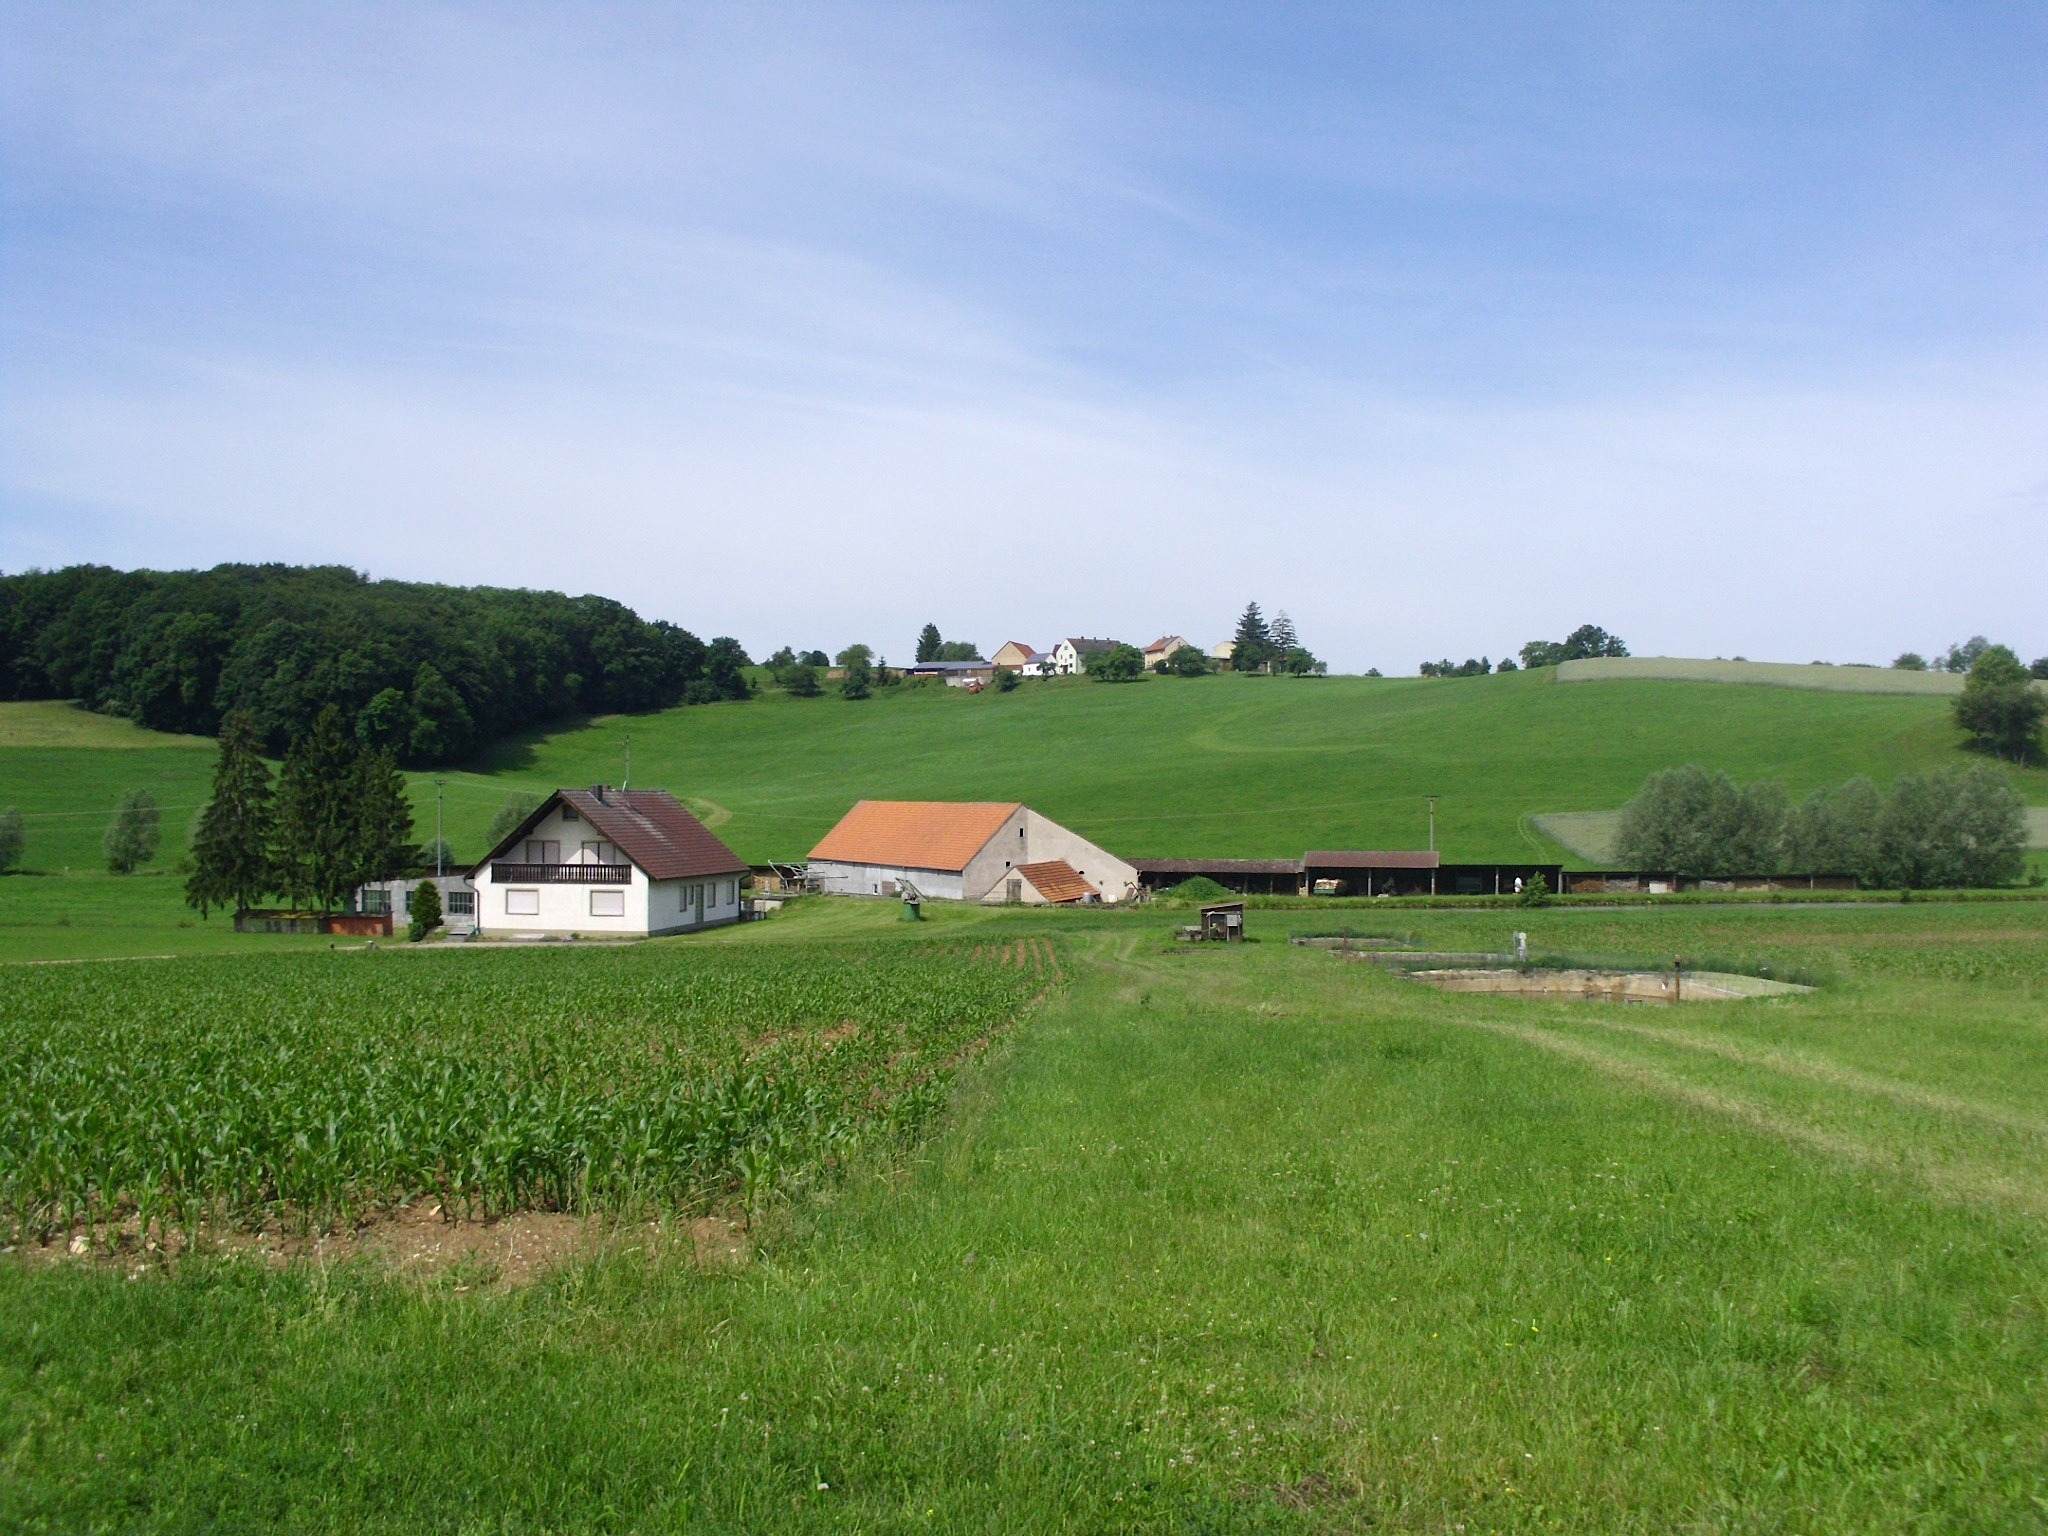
{"points": [[563, 907]]}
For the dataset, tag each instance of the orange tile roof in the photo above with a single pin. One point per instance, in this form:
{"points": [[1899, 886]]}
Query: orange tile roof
{"points": [[915, 834], [1056, 880]]}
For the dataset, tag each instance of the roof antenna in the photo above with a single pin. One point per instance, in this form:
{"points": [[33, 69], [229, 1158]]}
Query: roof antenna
{"points": [[627, 782]]}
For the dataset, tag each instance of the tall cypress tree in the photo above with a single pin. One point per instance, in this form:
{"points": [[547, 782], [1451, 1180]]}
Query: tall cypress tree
{"points": [[231, 850], [315, 851]]}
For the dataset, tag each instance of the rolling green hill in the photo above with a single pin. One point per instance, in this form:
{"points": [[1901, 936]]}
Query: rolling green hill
{"points": [[1228, 766], [1221, 766]]}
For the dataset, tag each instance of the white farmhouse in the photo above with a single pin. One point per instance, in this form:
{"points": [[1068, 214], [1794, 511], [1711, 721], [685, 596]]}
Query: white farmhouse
{"points": [[1070, 656], [608, 862], [979, 850]]}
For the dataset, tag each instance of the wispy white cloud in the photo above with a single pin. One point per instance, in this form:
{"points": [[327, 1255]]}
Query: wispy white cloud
{"points": [[811, 324]]}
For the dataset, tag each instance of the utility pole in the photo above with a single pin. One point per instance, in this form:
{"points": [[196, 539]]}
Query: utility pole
{"points": [[627, 782], [1432, 823], [440, 844]]}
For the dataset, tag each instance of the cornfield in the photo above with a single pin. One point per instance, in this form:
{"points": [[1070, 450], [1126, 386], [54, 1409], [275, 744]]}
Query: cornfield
{"points": [[316, 1088]]}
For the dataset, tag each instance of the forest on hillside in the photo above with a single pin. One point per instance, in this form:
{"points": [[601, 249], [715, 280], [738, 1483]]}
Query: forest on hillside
{"points": [[429, 672]]}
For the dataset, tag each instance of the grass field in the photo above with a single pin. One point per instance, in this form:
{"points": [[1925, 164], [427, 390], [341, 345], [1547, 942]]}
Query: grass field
{"points": [[1229, 766], [1245, 1239], [1771, 674], [1223, 766]]}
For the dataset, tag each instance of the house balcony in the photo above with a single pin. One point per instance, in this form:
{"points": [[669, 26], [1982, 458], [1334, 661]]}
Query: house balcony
{"points": [[561, 874]]}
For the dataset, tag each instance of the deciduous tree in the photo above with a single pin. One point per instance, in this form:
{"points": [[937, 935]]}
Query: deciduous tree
{"points": [[2000, 706], [1117, 664]]}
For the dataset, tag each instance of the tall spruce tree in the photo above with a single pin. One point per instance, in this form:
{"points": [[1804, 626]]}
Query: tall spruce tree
{"points": [[379, 816], [1284, 639], [231, 849], [316, 846], [1252, 647], [928, 643]]}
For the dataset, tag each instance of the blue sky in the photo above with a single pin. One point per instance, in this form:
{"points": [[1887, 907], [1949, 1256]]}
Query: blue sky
{"points": [[1442, 328]]}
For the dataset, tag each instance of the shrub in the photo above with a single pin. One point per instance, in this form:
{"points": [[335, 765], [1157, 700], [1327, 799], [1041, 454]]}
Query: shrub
{"points": [[426, 910], [1199, 889], [517, 808], [1189, 661], [131, 839], [1006, 680], [858, 681], [1536, 891]]}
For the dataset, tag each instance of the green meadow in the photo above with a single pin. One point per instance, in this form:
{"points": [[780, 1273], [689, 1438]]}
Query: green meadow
{"points": [[1239, 767], [1222, 1239], [1221, 766]]}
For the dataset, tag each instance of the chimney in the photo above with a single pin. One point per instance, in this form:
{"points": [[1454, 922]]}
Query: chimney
{"points": [[598, 790]]}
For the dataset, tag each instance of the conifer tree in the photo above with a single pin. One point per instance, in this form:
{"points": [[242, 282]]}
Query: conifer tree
{"points": [[316, 845], [1252, 649], [231, 849], [379, 814], [1283, 634], [928, 643]]}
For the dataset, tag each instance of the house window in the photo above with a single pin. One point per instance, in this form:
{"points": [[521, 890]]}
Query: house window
{"points": [[543, 851], [570, 813], [600, 853], [607, 903], [522, 903], [376, 899], [462, 903]]}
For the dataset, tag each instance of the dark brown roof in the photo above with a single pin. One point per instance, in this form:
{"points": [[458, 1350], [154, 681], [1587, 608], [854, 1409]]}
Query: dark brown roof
{"points": [[1351, 858], [651, 828], [1216, 866], [1056, 881]]}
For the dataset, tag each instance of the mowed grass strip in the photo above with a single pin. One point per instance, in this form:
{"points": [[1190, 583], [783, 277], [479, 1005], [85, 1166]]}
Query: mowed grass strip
{"points": [[1227, 1239]]}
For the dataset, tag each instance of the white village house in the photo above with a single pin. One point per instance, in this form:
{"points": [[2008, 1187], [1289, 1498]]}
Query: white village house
{"points": [[990, 851], [608, 862], [1070, 656]]}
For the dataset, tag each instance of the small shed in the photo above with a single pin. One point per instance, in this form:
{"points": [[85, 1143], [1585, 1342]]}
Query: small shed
{"points": [[1223, 922]]}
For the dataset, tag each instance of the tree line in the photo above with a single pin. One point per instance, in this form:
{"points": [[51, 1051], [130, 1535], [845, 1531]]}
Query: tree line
{"points": [[425, 672], [1952, 828], [336, 817]]}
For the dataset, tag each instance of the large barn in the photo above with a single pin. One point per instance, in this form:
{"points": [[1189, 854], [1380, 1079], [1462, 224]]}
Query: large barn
{"points": [[977, 850]]}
